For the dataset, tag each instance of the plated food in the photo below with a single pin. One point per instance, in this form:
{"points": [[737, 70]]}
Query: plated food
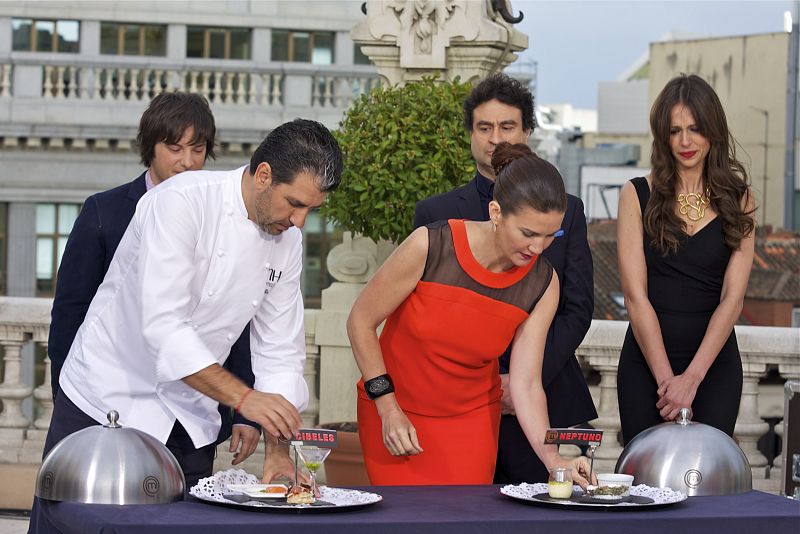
{"points": [[559, 483], [611, 487], [261, 491], [559, 490], [300, 494]]}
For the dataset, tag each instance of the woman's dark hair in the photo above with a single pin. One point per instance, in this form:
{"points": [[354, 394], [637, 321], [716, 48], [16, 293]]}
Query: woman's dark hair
{"points": [[301, 146], [168, 117], [524, 180], [723, 175], [505, 89]]}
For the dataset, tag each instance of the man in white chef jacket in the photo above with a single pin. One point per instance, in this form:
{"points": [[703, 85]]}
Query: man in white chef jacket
{"points": [[206, 253]]}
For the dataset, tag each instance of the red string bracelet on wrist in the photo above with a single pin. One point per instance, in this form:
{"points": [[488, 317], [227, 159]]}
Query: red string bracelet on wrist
{"points": [[241, 401]]}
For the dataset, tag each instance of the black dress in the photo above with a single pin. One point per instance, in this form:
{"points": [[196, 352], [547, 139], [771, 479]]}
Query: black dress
{"points": [[684, 289]]}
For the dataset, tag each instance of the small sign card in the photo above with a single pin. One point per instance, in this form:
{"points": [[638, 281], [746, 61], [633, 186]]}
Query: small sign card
{"points": [[315, 437], [574, 436]]}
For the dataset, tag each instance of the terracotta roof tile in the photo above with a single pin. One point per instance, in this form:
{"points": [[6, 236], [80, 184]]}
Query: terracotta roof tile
{"points": [[775, 274]]}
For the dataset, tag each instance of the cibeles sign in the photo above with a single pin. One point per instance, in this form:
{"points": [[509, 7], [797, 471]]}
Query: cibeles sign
{"points": [[574, 436], [315, 437]]}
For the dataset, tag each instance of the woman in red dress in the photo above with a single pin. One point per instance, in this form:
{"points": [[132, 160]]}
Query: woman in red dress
{"points": [[453, 294]]}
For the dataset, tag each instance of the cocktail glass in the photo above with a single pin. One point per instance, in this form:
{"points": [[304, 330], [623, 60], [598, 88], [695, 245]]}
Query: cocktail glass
{"points": [[313, 458]]}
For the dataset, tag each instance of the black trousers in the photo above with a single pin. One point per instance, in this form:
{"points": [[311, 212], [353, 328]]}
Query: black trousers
{"points": [[516, 460], [68, 419]]}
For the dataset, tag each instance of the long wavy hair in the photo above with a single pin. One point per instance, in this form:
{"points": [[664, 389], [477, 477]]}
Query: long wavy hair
{"points": [[723, 175]]}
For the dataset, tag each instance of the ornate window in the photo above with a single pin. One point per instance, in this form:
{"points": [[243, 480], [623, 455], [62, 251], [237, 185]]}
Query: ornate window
{"points": [[3, 247], [359, 57], [319, 236], [38, 35], [303, 46], [133, 39], [53, 225], [219, 43]]}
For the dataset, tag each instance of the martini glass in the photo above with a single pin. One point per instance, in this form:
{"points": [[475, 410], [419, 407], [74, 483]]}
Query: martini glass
{"points": [[313, 458]]}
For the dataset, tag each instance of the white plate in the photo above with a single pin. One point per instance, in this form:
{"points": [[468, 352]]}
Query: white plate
{"points": [[537, 494], [214, 489], [257, 490]]}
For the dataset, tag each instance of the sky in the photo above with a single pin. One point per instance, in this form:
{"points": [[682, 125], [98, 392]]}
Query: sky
{"points": [[577, 44]]}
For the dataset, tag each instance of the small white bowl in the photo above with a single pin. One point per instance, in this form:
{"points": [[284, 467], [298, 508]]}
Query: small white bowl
{"points": [[612, 480]]}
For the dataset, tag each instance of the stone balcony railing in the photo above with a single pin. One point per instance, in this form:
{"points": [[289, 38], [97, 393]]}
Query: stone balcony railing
{"points": [[44, 91], [25, 321]]}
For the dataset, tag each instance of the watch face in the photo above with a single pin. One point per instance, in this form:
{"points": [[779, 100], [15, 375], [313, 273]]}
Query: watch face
{"points": [[378, 385]]}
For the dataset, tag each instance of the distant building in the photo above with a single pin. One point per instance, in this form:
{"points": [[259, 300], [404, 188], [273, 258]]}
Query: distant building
{"points": [[749, 73], [76, 76], [568, 117]]}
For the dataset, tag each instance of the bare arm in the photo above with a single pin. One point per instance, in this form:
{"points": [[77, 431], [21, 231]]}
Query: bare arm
{"points": [[273, 412], [633, 275], [679, 392], [527, 391], [390, 286]]}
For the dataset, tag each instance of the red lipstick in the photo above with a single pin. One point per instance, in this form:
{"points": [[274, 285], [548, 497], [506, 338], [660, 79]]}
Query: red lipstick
{"points": [[688, 155]]}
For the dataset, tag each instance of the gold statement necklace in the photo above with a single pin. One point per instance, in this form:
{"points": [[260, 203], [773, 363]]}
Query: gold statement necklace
{"points": [[693, 205]]}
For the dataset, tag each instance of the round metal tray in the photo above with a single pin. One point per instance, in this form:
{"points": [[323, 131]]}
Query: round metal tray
{"points": [[641, 497]]}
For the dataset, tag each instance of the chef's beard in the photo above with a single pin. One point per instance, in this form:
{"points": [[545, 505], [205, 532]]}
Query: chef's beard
{"points": [[263, 215]]}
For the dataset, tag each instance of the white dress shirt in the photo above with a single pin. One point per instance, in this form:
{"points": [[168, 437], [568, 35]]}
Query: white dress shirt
{"points": [[190, 272]]}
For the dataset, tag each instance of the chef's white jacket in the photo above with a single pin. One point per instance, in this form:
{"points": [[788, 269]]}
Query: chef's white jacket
{"points": [[190, 272]]}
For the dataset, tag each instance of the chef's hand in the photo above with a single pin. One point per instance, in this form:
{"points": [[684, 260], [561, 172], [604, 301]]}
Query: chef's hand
{"points": [[399, 435], [675, 393], [506, 404], [244, 441], [278, 464], [276, 415]]}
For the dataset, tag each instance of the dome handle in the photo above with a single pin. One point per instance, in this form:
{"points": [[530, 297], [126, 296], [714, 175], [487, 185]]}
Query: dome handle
{"points": [[113, 417], [684, 416]]}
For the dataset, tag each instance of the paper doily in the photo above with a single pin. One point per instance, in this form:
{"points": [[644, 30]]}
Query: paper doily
{"points": [[214, 489]]}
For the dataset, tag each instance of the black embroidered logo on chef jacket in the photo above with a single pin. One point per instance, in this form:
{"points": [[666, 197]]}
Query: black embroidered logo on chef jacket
{"points": [[273, 277]]}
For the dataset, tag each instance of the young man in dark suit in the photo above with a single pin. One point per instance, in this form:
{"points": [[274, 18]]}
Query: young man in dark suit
{"points": [[176, 134], [500, 109]]}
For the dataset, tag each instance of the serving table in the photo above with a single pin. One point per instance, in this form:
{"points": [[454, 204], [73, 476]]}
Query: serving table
{"points": [[439, 509]]}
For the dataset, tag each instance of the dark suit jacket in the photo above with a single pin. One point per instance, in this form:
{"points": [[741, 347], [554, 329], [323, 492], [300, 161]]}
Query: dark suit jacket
{"points": [[91, 245], [568, 398]]}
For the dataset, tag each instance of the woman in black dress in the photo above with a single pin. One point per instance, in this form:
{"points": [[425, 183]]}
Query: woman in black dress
{"points": [[685, 248]]}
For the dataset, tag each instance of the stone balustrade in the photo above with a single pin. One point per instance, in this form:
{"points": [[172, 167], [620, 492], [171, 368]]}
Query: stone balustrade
{"points": [[95, 103], [236, 83], [25, 321]]}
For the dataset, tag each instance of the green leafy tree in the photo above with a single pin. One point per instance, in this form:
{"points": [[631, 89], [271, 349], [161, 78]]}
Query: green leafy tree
{"points": [[400, 145]]}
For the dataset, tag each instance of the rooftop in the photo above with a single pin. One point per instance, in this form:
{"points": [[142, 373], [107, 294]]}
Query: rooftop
{"points": [[775, 275]]}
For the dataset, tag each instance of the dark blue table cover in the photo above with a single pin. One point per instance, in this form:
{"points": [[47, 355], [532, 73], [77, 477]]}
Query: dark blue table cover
{"points": [[443, 509]]}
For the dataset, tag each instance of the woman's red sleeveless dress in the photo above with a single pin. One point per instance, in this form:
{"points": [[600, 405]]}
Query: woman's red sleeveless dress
{"points": [[441, 347]]}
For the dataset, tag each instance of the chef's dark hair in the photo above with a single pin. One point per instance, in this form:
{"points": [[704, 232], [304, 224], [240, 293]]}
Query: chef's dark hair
{"points": [[526, 180], [301, 146], [168, 117]]}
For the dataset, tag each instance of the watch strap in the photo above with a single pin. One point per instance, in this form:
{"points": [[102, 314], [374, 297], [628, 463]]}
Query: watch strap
{"points": [[378, 386]]}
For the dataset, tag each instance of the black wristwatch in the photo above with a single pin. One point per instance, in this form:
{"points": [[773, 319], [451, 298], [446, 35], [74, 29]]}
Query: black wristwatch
{"points": [[378, 386]]}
